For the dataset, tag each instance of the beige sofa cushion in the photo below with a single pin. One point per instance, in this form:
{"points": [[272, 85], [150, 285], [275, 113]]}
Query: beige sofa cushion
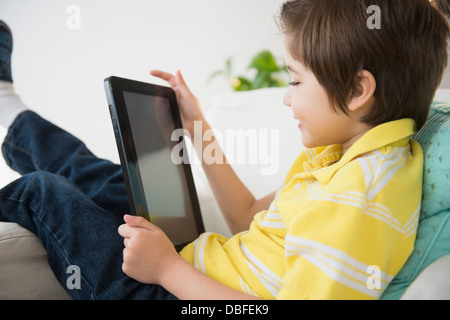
{"points": [[433, 283], [24, 270]]}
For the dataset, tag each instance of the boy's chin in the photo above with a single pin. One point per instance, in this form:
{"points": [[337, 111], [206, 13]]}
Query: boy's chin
{"points": [[308, 143]]}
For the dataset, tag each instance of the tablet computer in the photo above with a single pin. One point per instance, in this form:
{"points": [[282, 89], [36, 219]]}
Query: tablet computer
{"points": [[144, 116]]}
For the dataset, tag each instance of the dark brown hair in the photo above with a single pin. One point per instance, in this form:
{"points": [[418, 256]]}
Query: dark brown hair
{"points": [[407, 54]]}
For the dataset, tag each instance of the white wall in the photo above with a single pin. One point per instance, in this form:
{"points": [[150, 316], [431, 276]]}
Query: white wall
{"points": [[59, 72]]}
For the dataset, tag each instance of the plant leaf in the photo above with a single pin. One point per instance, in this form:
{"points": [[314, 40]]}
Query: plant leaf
{"points": [[261, 80], [229, 67], [215, 74], [242, 84], [264, 61]]}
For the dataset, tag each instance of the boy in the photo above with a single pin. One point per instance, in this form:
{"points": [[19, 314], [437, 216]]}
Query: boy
{"points": [[349, 204]]}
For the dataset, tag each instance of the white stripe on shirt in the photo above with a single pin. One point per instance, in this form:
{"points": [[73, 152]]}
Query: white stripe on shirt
{"points": [[337, 264]]}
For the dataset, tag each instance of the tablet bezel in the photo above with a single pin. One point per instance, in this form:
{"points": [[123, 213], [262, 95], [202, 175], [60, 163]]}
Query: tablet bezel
{"points": [[114, 88]]}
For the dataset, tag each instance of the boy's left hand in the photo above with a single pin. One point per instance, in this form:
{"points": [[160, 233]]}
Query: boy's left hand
{"points": [[148, 253]]}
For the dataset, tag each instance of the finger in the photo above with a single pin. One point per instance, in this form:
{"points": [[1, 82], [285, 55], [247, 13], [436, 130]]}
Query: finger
{"points": [[165, 76]]}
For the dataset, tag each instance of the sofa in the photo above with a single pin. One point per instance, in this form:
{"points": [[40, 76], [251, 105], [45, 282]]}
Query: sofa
{"points": [[25, 273]]}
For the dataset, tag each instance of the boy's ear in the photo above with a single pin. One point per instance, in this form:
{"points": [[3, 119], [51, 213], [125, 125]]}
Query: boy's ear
{"points": [[365, 88]]}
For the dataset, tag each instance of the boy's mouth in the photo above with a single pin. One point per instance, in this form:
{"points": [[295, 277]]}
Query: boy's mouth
{"points": [[299, 123]]}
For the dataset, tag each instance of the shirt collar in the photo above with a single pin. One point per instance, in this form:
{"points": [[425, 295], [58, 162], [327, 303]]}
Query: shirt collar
{"points": [[330, 159]]}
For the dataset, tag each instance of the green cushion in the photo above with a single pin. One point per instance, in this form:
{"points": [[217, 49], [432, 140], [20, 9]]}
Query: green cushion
{"points": [[433, 233]]}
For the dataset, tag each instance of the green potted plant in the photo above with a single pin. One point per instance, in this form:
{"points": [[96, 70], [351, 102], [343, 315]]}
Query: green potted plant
{"points": [[269, 73]]}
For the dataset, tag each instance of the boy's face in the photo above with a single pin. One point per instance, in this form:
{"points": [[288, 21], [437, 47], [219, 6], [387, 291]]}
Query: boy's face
{"points": [[319, 123]]}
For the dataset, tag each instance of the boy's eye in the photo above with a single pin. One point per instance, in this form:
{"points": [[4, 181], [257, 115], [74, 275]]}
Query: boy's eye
{"points": [[294, 83]]}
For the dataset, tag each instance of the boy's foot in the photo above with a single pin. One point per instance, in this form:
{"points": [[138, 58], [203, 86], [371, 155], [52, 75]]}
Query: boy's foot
{"points": [[10, 103], [6, 46]]}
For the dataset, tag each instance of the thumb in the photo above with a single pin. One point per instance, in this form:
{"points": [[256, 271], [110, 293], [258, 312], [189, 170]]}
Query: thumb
{"points": [[138, 222], [182, 87], [179, 78], [180, 81]]}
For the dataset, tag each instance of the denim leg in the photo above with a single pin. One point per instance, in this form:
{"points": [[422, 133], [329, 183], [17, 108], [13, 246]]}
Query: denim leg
{"points": [[34, 144], [74, 231]]}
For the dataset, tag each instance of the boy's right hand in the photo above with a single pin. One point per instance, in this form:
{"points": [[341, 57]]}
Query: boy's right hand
{"points": [[189, 104]]}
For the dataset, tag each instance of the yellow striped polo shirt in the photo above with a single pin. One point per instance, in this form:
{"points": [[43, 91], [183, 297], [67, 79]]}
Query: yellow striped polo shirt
{"points": [[340, 227]]}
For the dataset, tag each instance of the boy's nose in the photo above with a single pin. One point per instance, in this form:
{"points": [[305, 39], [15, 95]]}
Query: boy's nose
{"points": [[287, 99]]}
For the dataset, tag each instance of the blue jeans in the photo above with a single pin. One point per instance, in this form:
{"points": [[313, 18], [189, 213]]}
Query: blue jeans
{"points": [[74, 202]]}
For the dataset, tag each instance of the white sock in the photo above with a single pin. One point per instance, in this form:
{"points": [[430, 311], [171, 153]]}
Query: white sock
{"points": [[10, 104]]}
